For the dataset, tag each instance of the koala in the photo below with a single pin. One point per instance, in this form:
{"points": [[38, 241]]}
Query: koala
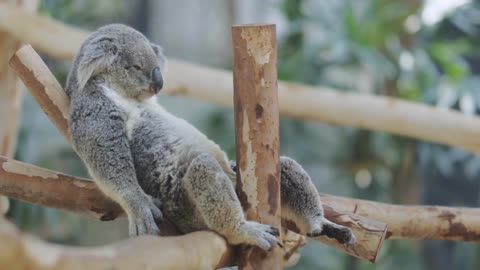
{"points": [[155, 164]]}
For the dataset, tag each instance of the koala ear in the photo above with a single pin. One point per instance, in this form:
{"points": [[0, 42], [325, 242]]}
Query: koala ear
{"points": [[162, 60], [98, 54]]}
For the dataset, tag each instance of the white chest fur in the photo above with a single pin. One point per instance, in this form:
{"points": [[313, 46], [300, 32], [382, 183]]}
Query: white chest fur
{"points": [[193, 139], [131, 107]]}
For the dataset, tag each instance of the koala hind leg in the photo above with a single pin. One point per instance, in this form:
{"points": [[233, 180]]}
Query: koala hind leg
{"points": [[301, 203], [213, 194]]}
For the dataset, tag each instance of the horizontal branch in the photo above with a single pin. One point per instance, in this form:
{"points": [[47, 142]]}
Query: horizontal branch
{"points": [[20, 24], [415, 222], [296, 100], [81, 196], [204, 250]]}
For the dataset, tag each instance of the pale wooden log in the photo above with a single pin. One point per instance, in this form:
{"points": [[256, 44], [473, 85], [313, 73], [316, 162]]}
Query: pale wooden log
{"points": [[415, 222], [199, 250], [43, 86], [30, 183], [10, 91], [256, 134], [53, 101], [296, 100], [29, 28]]}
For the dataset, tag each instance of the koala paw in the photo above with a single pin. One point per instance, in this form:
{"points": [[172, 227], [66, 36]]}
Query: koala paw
{"points": [[341, 233], [257, 234], [144, 216]]}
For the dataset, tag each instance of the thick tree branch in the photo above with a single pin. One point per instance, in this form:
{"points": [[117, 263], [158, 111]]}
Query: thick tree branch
{"points": [[415, 222], [43, 86], [296, 100], [204, 250]]}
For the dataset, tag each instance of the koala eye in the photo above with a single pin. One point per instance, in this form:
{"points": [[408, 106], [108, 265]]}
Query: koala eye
{"points": [[137, 67]]}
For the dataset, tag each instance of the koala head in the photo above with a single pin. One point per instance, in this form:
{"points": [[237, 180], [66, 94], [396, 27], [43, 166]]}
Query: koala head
{"points": [[124, 58]]}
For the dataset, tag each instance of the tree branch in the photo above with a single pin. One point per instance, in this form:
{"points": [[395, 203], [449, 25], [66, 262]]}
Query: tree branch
{"points": [[297, 100], [43, 86], [415, 222], [205, 250]]}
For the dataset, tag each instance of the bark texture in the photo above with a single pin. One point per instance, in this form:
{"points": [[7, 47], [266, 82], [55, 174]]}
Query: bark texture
{"points": [[256, 134], [415, 222]]}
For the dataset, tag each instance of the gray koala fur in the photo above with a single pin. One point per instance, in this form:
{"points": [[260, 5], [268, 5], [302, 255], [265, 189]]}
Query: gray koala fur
{"points": [[153, 163]]}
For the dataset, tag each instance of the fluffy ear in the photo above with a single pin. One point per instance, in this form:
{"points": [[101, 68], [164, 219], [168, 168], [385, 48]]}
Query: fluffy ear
{"points": [[98, 54], [162, 60]]}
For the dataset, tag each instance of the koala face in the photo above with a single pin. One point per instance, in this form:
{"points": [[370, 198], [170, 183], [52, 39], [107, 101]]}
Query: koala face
{"points": [[125, 59]]}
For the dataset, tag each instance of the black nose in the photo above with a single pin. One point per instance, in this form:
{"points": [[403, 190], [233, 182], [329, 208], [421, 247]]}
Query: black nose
{"points": [[157, 79]]}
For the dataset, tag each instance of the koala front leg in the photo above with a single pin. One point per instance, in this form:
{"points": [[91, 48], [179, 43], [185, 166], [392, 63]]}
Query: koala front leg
{"points": [[214, 196], [101, 142], [301, 203]]}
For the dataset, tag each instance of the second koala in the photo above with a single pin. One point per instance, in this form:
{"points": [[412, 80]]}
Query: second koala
{"points": [[153, 163]]}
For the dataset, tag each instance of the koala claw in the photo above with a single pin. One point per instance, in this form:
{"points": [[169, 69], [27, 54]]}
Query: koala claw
{"points": [[261, 235], [274, 231], [145, 218], [157, 214]]}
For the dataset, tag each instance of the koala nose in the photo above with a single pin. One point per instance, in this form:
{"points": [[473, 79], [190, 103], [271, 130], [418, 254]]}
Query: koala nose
{"points": [[157, 79]]}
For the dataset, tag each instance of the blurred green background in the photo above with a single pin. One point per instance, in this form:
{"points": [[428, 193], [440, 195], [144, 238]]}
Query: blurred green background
{"points": [[423, 51]]}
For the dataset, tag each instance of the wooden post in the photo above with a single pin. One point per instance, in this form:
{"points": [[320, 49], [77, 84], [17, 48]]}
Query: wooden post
{"points": [[10, 92], [256, 129]]}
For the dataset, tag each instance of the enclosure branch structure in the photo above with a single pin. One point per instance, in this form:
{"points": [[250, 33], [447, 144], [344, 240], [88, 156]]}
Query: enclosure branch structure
{"points": [[425, 222], [296, 100], [28, 64], [10, 92], [463, 221], [256, 134]]}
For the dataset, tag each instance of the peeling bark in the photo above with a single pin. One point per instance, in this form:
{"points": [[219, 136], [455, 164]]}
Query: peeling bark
{"points": [[256, 129]]}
